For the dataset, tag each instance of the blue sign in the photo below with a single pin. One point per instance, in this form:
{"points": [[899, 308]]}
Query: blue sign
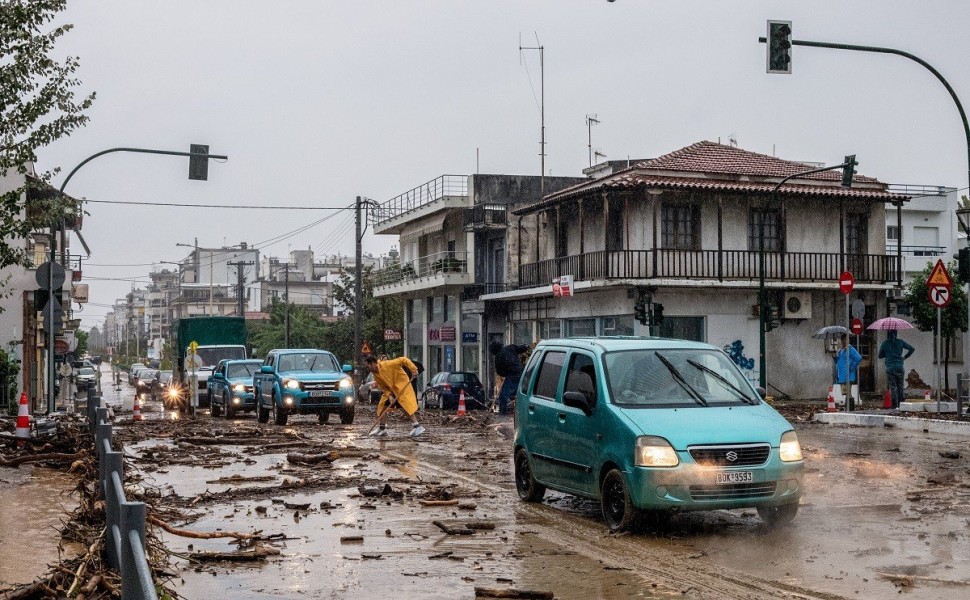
{"points": [[449, 358], [469, 337]]}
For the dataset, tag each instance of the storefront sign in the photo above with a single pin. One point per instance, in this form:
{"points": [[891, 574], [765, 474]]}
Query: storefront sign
{"points": [[392, 335], [447, 333], [562, 287], [80, 292], [469, 337]]}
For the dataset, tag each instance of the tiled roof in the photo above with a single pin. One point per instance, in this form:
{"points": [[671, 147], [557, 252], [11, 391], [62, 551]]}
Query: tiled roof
{"points": [[719, 168]]}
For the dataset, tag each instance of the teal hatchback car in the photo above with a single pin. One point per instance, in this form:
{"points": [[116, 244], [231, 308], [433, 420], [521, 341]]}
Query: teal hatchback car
{"points": [[650, 425]]}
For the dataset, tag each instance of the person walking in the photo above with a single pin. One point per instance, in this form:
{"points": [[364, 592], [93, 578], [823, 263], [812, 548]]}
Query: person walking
{"points": [[508, 364], [847, 363], [891, 351], [395, 383]]}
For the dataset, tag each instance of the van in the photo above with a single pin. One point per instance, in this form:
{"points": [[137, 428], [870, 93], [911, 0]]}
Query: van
{"points": [[649, 426]]}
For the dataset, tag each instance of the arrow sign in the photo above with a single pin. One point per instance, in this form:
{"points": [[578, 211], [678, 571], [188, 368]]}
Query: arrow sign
{"points": [[940, 276], [940, 295]]}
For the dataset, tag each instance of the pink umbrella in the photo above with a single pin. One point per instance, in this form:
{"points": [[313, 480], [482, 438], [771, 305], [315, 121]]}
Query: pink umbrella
{"points": [[890, 324]]}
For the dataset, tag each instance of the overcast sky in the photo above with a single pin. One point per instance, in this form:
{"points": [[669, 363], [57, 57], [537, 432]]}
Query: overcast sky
{"points": [[316, 102]]}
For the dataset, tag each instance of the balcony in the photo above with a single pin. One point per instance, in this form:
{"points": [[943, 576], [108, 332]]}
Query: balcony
{"points": [[726, 265], [440, 194], [486, 216], [431, 271]]}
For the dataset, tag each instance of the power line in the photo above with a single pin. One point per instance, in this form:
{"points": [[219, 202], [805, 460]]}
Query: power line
{"points": [[243, 206]]}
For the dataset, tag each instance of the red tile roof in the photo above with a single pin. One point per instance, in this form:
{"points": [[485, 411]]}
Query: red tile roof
{"points": [[714, 167]]}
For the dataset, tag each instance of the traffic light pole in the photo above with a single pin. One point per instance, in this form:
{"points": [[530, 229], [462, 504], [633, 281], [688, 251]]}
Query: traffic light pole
{"points": [[762, 296]]}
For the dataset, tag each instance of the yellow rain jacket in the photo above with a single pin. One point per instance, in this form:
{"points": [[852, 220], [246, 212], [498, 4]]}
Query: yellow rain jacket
{"points": [[393, 381]]}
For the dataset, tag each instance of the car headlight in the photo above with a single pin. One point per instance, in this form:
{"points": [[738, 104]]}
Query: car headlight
{"points": [[346, 382], [654, 451], [292, 384], [239, 387], [173, 392], [288, 401], [789, 449]]}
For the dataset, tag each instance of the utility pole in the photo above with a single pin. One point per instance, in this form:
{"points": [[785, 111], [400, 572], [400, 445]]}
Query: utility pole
{"points": [[542, 111], [358, 274], [240, 283], [286, 300]]}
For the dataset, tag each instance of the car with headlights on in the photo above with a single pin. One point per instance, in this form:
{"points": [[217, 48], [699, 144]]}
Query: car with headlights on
{"points": [[146, 380], [86, 377], [303, 381], [231, 387], [650, 426]]}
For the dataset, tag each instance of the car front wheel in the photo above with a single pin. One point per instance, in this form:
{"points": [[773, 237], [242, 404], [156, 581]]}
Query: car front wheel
{"points": [[778, 516], [262, 413], [279, 415], [230, 411], [214, 408], [528, 488], [347, 415], [618, 510]]}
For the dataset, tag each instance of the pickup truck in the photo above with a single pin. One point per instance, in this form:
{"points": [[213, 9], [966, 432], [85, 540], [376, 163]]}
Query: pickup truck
{"points": [[231, 387], [301, 382]]}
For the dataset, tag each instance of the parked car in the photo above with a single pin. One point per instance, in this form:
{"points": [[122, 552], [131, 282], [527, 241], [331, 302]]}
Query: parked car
{"points": [[303, 382], [445, 388], [647, 426], [231, 387], [133, 370], [368, 391], [85, 378]]}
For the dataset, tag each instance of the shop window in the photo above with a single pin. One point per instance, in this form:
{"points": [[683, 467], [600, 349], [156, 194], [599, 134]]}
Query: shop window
{"points": [[683, 328], [522, 332], [550, 329], [580, 327], [621, 325]]}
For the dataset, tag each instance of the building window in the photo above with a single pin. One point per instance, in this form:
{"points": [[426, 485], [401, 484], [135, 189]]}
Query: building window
{"points": [[680, 226], [580, 327], [549, 330], [522, 332], [774, 232], [857, 234], [683, 328], [892, 233], [622, 325]]}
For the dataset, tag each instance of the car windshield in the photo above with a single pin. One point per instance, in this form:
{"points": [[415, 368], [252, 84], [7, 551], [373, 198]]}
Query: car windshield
{"points": [[243, 370], [319, 362], [165, 376], [86, 371], [672, 378], [463, 378]]}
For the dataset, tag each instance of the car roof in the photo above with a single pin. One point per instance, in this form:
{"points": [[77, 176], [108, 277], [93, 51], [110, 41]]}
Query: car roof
{"points": [[616, 343], [244, 361], [291, 350]]}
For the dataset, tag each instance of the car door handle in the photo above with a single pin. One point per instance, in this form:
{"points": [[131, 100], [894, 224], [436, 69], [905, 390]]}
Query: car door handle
{"points": [[562, 417], [532, 408]]}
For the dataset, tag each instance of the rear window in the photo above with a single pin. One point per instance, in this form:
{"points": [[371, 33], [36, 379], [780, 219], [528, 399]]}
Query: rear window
{"points": [[463, 378], [547, 383]]}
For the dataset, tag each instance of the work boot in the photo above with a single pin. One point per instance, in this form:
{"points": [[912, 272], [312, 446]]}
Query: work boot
{"points": [[379, 432], [416, 430]]}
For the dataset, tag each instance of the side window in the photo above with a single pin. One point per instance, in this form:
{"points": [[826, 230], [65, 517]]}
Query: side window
{"points": [[582, 377], [548, 380], [270, 359], [527, 374]]}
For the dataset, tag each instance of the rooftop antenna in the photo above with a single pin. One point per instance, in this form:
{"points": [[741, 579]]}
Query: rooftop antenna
{"points": [[590, 120], [733, 140], [542, 106]]}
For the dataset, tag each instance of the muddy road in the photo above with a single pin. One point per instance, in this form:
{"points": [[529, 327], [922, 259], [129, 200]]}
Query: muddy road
{"points": [[353, 517]]}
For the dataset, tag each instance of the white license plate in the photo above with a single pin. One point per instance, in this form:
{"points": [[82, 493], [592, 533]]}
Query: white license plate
{"points": [[319, 393], [734, 477]]}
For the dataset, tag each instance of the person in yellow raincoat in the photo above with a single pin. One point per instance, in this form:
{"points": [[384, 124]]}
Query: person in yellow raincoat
{"points": [[395, 383]]}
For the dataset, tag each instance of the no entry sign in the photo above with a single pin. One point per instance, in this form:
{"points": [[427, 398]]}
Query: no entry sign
{"points": [[846, 282], [856, 326]]}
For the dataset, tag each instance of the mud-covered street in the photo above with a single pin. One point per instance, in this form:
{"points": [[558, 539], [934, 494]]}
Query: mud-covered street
{"points": [[341, 515]]}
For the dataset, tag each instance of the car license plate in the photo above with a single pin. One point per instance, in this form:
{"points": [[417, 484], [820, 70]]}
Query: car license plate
{"points": [[728, 477], [319, 393]]}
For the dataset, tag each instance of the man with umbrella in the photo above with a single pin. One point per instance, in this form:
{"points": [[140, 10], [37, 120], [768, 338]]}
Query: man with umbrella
{"points": [[846, 364], [891, 351]]}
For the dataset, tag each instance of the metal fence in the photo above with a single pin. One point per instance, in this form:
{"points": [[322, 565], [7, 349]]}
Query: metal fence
{"points": [[124, 521], [440, 187]]}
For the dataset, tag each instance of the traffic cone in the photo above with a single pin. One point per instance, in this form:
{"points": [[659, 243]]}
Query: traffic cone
{"points": [[23, 418], [887, 400], [461, 404], [136, 411], [831, 401], [926, 396]]}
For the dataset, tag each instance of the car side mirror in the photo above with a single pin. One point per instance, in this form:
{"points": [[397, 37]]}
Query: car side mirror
{"points": [[218, 376], [577, 400], [266, 369], [348, 369], [762, 392]]}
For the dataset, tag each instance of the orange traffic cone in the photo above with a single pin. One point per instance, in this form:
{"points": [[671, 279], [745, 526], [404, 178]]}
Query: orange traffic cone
{"points": [[136, 411], [461, 404], [887, 400], [926, 396], [23, 418], [831, 401]]}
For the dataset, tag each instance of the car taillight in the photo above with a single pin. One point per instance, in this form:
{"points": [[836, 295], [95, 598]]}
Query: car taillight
{"points": [[446, 386]]}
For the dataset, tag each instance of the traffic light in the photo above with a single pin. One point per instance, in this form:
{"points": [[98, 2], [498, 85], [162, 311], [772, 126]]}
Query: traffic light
{"points": [[848, 171], [772, 317], [658, 315], [640, 312], [199, 162], [779, 47], [963, 265]]}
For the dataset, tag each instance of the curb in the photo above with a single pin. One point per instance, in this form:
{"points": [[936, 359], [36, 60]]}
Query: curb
{"points": [[907, 423]]}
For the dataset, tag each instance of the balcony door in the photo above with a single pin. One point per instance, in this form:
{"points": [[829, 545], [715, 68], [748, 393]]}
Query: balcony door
{"points": [[857, 244], [495, 266]]}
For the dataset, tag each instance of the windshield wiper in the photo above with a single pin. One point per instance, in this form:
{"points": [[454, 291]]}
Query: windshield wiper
{"points": [[680, 379], [312, 362], [744, 397]]}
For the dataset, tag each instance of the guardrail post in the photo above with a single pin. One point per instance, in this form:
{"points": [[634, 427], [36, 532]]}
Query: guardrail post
{"points": [[102, 431], [113, 494], [960, 383], [132, 521], [94, 403]]}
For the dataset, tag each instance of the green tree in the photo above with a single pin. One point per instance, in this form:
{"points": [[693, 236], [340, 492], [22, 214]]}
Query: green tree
{"points": [[9, 368], [379, 314], [82, 342], [37, 107], [953, 318], [306, 329]]}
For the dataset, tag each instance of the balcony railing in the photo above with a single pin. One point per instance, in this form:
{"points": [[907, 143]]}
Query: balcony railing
{"points": [[737, 265], [892, 248], [484, 216], [426, 266], [436, 189], [474, 291]]}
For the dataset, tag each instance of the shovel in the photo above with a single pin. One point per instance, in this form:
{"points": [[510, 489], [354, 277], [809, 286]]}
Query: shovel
{"points": [[391, 404]]}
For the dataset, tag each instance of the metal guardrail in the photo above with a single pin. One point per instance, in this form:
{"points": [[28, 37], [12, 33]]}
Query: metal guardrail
{"points": [[124, 521], [919, 190]]}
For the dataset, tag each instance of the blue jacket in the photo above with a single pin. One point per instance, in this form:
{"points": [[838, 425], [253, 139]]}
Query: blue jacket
{"points": [[840, 362]]}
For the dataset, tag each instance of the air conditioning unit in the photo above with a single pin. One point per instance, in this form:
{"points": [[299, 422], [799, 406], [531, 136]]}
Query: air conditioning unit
{"points": [[798, 305], [896, 293]]}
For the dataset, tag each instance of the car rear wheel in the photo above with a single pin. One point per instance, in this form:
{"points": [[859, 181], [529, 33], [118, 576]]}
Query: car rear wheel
{"points": [[215, 409], [528, 488], [230, 411], [778, 516], [279, 415], [618, 510]]}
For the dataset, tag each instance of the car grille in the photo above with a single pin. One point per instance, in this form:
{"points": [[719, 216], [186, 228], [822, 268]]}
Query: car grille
{"points": [[744, 455], [320, 385], [765, 489]]}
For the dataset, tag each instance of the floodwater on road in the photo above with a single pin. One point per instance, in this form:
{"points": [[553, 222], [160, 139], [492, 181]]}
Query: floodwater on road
{"points": [[33, 504], [884, 513]]}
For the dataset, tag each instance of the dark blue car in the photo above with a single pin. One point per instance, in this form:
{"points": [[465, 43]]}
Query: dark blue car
{"points": [[445, 389]]}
